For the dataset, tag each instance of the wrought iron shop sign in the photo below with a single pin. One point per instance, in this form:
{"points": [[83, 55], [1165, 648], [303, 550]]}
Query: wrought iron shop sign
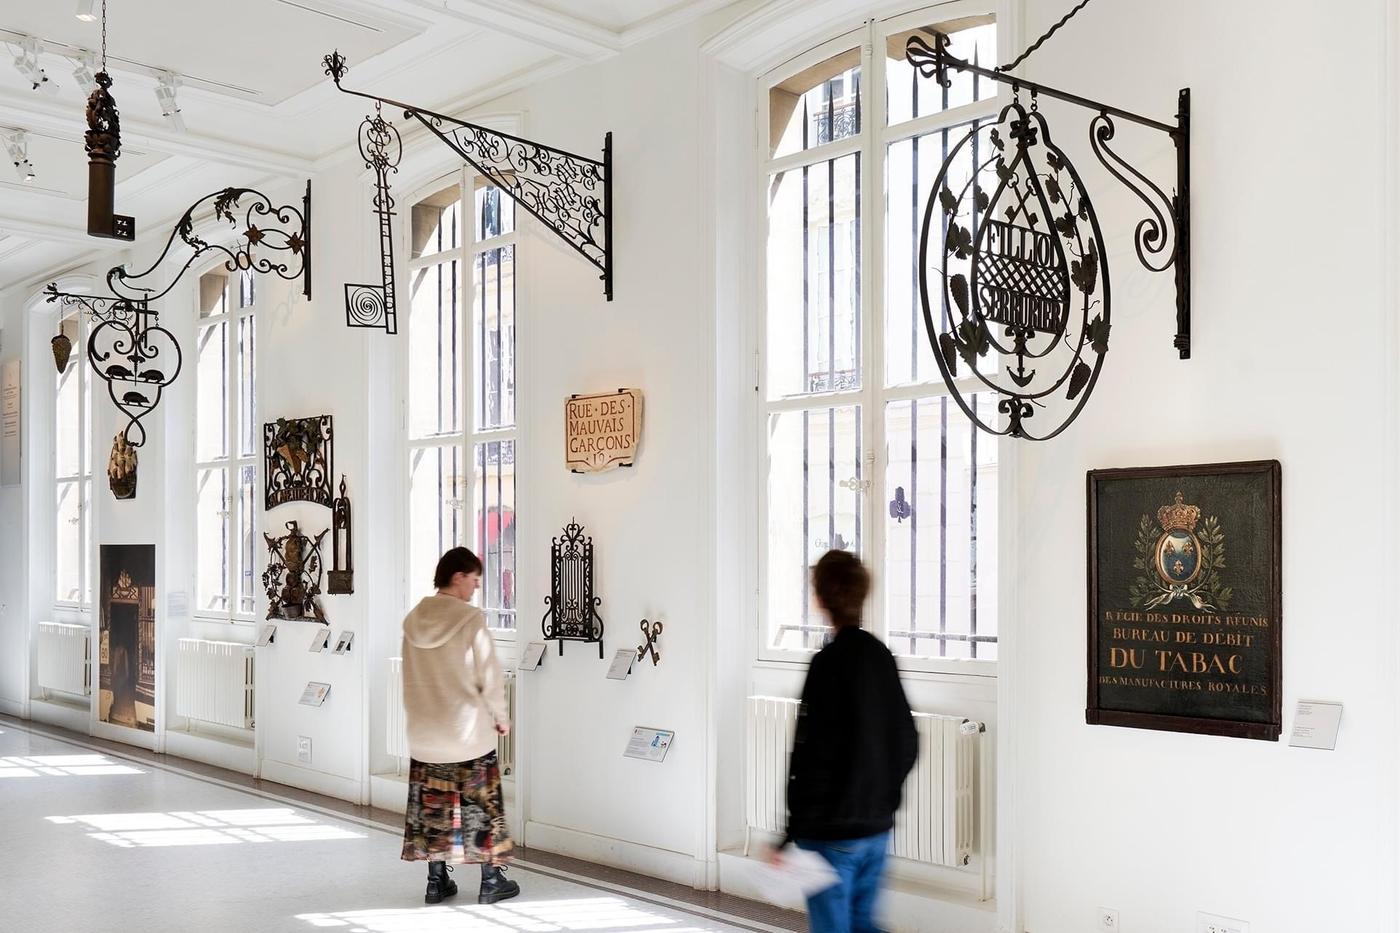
{"points": [[1013, 274]]}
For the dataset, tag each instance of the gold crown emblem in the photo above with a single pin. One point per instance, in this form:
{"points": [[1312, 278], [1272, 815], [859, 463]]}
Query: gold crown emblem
{"points": [[1178, 516]]}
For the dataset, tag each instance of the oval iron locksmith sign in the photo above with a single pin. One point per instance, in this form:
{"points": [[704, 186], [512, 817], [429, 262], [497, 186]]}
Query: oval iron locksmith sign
{"points": [[602, 432], [1013, 278]]}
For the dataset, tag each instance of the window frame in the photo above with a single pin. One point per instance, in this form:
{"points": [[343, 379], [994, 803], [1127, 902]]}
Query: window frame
{"points": [[232, 462], [79, 609], [873, 142], [468, 433]]}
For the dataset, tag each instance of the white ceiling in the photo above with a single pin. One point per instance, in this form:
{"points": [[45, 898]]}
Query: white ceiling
{"points": [[254, 98]]}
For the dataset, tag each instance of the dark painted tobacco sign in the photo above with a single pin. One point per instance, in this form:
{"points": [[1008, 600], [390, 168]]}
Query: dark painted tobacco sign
{"points": [[1185, 599]]}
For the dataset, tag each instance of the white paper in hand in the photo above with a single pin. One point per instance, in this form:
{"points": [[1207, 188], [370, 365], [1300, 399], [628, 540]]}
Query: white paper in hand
{"points": [[800, 875]]}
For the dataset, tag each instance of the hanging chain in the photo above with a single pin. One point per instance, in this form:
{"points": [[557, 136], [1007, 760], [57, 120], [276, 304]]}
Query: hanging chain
{"points": [[1034, 45], [104, 35]]}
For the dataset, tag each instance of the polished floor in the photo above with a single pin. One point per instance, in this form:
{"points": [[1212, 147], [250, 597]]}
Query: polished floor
{"points": [[96, 839]]}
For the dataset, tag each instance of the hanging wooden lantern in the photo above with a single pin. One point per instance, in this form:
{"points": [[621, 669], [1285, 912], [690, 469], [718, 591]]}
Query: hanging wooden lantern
{"points": [[62, 349]]}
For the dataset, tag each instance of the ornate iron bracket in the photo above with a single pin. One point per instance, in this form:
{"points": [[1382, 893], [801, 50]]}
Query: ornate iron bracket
{"points": [[1024, 270], [128, 349], [561, 189], [377, 305], [573, 609], [292, 579], [341, 579]]}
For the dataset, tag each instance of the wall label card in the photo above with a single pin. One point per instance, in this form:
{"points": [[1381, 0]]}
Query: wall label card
{"points": [[621, 664], [268, 636], [315, 693], [320, 640], [649, 744], [1185, 599], [601, 432], [1315, 725], [342, 644], [533, 656], [10, 424]]}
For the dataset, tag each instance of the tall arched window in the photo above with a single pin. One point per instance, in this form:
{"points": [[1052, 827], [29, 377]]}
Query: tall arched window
{"points": [[864, 451], [460, 419], [227, 441]]}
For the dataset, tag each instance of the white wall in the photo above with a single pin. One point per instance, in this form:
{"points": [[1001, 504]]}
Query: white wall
{"points": [[1290, 223]]}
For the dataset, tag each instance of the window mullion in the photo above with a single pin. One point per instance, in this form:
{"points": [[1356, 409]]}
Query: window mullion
{"points": [[872, 314]]}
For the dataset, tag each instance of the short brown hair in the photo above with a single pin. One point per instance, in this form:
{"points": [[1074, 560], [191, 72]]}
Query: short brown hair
{"points": [[457, 560], [841, 583]]}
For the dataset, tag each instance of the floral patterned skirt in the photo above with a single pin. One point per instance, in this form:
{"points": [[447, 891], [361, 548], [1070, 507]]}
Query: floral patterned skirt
{"points": [[455, 812]]}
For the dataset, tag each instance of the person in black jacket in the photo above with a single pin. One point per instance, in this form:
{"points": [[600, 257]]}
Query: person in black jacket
{"points": [[854, 745]]}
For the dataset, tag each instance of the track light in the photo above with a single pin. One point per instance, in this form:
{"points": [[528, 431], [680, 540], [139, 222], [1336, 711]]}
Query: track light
{"points": [[17, 146], [85, 12], [27, 62], [85, 72], [165, 96]]}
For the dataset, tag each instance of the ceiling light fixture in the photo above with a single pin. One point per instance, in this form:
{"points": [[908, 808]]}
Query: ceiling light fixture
{"points": [[27, 62], [17, 146], [86, 12], [85, 71], [165, 96]]}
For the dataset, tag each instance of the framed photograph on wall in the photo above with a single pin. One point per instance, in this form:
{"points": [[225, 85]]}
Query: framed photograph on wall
{"points": [[1185, 599]]}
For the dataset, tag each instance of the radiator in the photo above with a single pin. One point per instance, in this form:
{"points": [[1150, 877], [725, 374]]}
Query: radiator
{"points": [[214, 682], [938, 820], [396, 726], [63, 658]]}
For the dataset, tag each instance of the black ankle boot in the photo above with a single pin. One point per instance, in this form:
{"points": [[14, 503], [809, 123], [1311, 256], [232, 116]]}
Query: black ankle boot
{"points": [[495, 886], [439, 884]]}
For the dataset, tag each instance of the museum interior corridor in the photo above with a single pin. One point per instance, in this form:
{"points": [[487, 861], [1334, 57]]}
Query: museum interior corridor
{"points": [[736, 464]]}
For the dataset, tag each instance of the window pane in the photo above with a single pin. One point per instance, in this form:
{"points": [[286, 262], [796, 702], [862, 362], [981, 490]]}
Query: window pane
{"points": [[213, 293], [815, 106], [211, 530], [494, 524], [247, 387], [67, 423], [68, 534], [435, 223], [940, 523], [493, 336], [814, 278], [436, 511], [912, 166], [247, 285], [211, 418], [910, 95], [86, 547], [810, 455], [494, 214], [434, 366], [247, 561]]}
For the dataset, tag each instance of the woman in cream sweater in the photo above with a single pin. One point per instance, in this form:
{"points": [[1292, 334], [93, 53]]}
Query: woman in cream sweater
{"points": [[454, 697]]}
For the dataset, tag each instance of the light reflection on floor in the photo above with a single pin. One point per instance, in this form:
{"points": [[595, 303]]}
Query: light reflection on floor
{"points": [[592, 913], [15, 766], [205, 827]]}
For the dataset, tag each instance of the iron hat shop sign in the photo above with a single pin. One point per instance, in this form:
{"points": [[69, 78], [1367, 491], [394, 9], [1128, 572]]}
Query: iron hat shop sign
{"points": [[1013, 274], [601, 432]]}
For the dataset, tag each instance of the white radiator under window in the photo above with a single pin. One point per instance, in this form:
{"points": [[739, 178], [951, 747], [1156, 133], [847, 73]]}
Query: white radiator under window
{"points": [[63, 658], [396, 725], [214, 682], [938, 820]]}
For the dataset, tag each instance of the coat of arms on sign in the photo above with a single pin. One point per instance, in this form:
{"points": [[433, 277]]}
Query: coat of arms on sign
{"points": [[601, 432], [297, 455]]}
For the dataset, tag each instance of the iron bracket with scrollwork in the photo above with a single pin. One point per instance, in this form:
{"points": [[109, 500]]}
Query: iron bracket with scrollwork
{"points": [[573, 609], [1022, 248], [368, 305], [569, 193]]}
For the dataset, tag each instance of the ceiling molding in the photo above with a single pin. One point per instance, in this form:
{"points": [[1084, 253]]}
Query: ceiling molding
{"points": [[52, 232], [523, 19], [40, 115], [672, 19]]}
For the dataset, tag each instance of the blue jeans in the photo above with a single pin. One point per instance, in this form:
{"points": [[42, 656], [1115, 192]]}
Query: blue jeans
{"points": [[848, 907]]}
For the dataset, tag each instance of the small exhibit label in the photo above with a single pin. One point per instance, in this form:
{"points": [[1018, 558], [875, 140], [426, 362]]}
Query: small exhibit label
{"points": [[649, 744], [320, 640], [315, 693], [621, 664], [268, 636], [533, 656], [343, 643], [1315, 725]]}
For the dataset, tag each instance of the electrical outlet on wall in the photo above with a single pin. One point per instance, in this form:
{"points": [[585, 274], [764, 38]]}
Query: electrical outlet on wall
{"points": [[304, 749], [1108, 920], [1212, 923]]}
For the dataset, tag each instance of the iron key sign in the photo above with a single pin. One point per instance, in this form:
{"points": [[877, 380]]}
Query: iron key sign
{"points": [[602, 432]]}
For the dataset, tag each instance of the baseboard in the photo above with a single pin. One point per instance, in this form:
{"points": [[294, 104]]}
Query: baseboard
{"points": [[13, 708], [221, 753], [903, 907], [72, 718], [332, 785], [389, 792], [602, 850]]}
